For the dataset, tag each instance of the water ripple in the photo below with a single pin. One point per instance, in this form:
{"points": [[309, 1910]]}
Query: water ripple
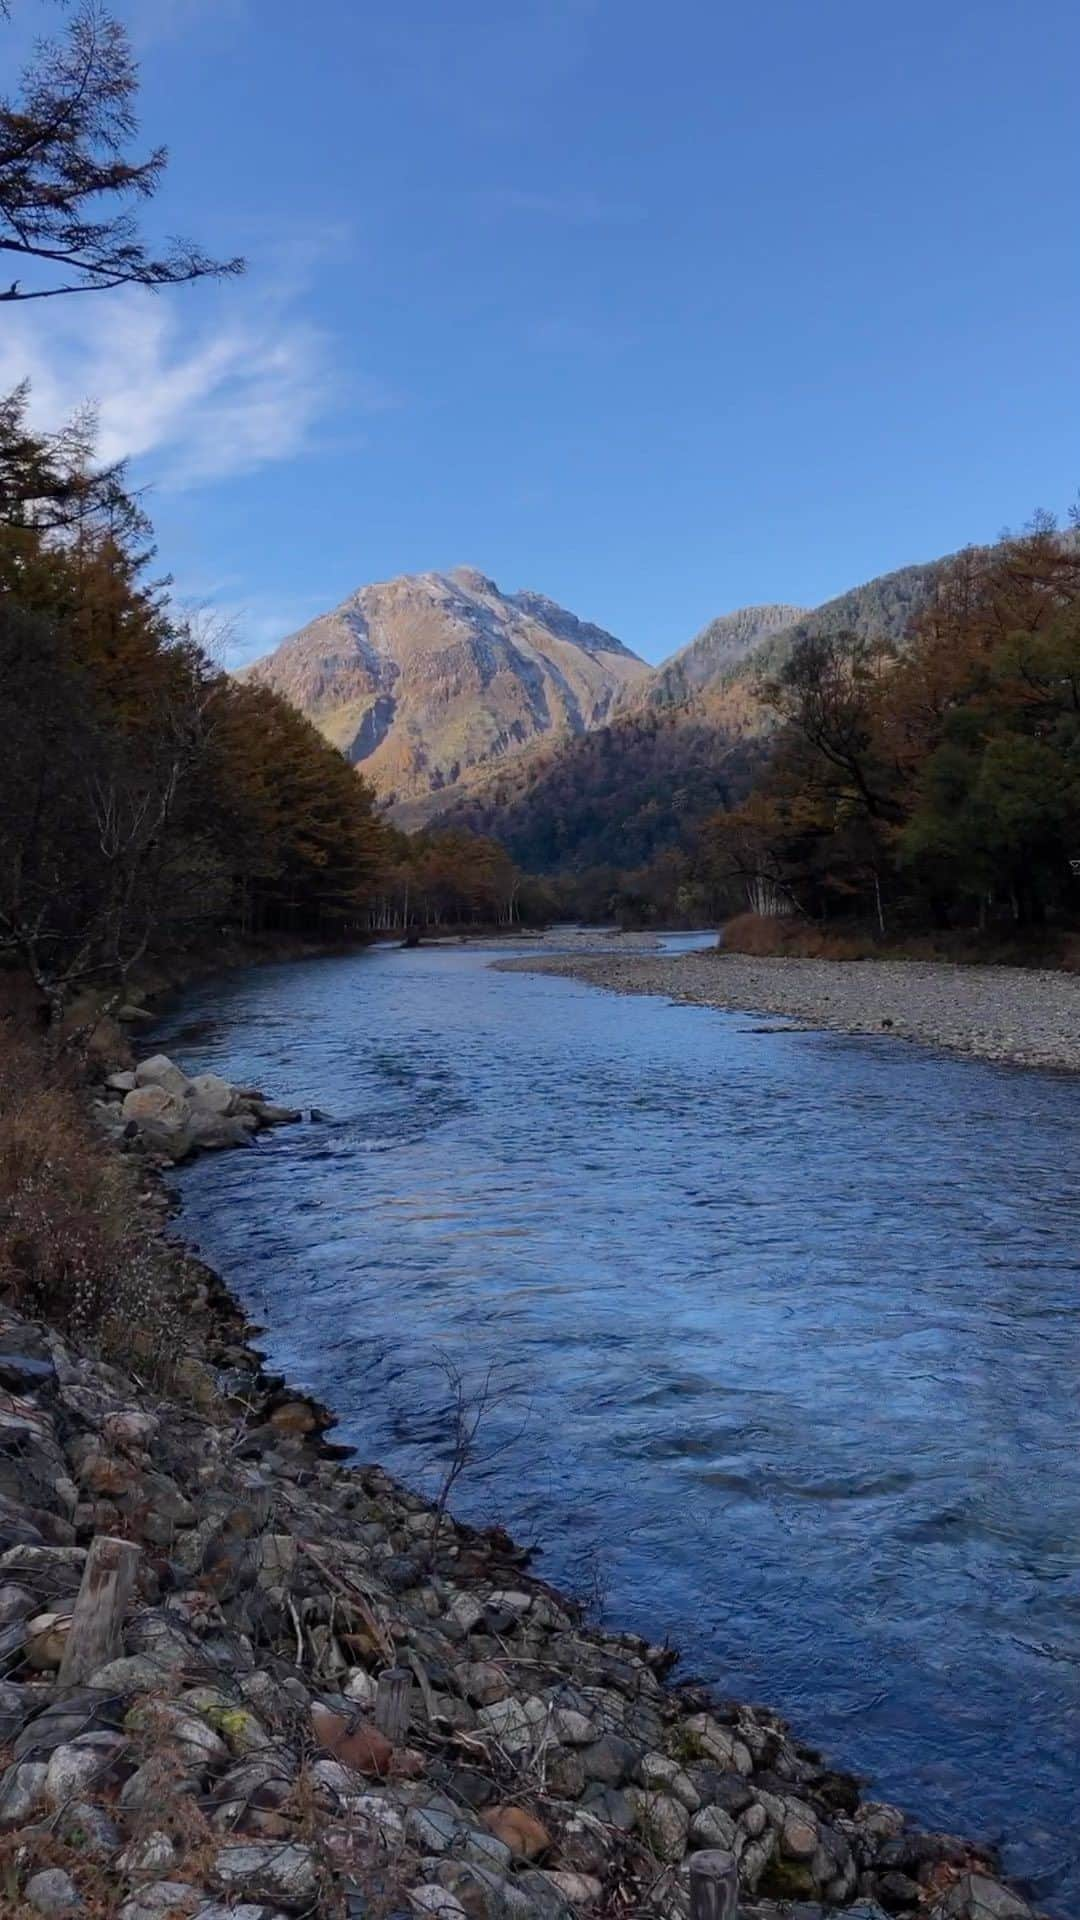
{"points": [[793, 1318]]}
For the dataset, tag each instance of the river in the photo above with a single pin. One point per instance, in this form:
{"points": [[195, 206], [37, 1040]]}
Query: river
{"points": [[782, 1330]]}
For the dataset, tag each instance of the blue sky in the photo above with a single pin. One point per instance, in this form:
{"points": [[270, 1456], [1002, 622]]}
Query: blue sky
{"points": [[659, 309]]}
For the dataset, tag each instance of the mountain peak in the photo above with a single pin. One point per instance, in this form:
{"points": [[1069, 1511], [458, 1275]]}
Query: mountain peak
{"points": [[428, 680], [473, 581]]}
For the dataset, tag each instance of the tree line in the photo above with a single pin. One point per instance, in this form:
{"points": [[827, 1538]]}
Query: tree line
{"points": [[147, 798], [931, 785]]}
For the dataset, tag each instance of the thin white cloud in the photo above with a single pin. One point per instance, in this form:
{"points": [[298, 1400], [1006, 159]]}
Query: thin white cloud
{"points": [[246, 386]]}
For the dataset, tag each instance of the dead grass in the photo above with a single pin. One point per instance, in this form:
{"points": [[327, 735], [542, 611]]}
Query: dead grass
{"points": [[73, 1247], [793, 938], [790, 938]]}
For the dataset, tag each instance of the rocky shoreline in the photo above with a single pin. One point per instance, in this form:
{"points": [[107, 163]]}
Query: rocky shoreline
{"points": [[1014, 1015], [326, 1697]]}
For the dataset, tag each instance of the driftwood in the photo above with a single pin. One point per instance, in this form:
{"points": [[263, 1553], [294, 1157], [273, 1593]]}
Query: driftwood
{"points": [[392, 1703], [94, 1637]]}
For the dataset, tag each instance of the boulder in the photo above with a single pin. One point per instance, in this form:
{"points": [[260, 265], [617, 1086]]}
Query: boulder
{"points": [[484, 1893], [705, 1736], [211, 1132], [82, 1766], [162, 1900], [200, 1747], [754, 1861], [218, 1910], [16, 1603], [159, 1116], [78, 1710], [44, 1640], [545, 1900], [147, 1858], [269, 1115], [663, 1822], [87, 1826], [285, 1875], [132, 1674], [155, 1784], [656, 1770], [610, 1760], [612, 1807], [799, 1837], [436, 1902], [572, 1728], [22, 1792], [712, 1828], [17, 1705], [975, 1896], [512, 1724], [209, 1093], [52, 1892], [482, 1682], [465, 1611], [160, 1071], [129, 1429], [581, 1889]]}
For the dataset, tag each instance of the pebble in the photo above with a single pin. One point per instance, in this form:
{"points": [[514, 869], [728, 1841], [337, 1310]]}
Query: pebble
{"points": [[1028, 1016]]}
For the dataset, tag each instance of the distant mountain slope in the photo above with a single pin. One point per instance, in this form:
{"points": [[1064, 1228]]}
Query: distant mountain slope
{"points": [[615, 797], [718, 649], [681, 744], [429, 680], [885, 608]]}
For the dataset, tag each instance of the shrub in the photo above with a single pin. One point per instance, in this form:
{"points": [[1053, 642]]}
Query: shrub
{"points": [[72, 1246], [769, 937]]}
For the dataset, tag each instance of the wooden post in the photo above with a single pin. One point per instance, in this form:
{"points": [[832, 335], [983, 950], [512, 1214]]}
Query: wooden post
{"points": [[392, 1703], [94, 1637], [714, 1885]]}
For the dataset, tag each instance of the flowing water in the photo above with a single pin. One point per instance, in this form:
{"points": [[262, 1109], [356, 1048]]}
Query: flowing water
{"points": [[783, 1330]]}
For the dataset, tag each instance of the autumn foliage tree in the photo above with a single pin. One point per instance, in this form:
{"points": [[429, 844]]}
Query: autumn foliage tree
{"points": [[937, 784], [145, 797]]}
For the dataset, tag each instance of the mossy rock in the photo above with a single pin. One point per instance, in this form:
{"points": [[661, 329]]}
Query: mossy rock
{"points": [[238, 1728], [685, 1746]]}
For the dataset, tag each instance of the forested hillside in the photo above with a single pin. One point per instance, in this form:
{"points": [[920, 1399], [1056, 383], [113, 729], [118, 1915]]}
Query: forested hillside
{"points": [[688, 740], [617, 797], [933, 785]]}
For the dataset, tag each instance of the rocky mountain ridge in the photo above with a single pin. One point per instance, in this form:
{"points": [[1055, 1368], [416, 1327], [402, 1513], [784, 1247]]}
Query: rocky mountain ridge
{"points": [[428, 680], [720, 648], [459, 701]]}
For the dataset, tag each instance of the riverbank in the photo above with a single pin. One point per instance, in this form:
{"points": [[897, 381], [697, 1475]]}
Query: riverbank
{"points": [[323, 1695], [1017, 1015]]}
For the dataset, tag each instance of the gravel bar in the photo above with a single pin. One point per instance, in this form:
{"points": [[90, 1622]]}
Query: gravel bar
{"points": [[1024, 1016]]}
